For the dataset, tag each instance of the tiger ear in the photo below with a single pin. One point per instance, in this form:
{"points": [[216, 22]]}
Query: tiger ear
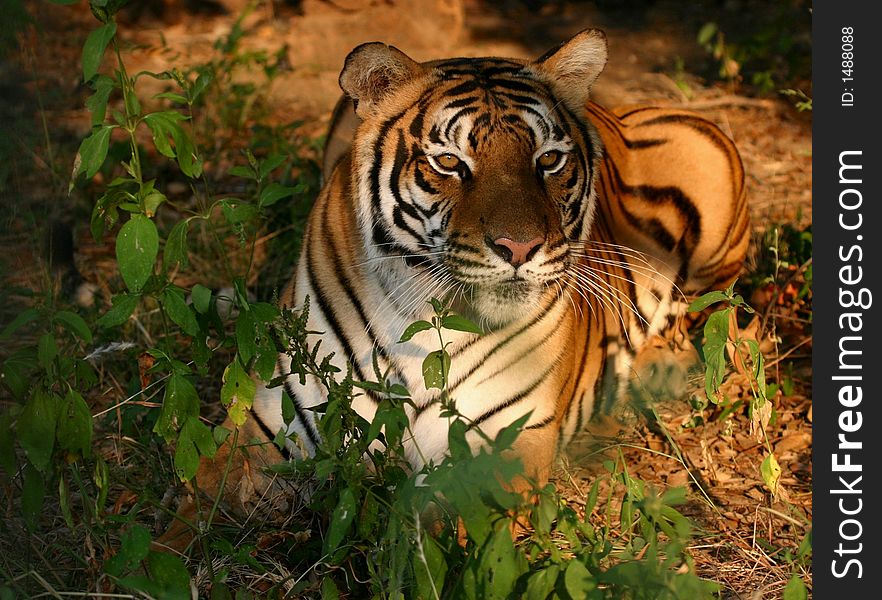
{"points": [[373, 71], [572, 67]]}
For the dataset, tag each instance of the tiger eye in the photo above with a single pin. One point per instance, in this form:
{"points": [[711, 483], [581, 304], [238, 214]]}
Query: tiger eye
{"points": [[448, 161], [549, 159]]}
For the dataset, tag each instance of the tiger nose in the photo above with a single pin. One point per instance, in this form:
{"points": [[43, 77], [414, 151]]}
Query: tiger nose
{"points": [[513, 252]]}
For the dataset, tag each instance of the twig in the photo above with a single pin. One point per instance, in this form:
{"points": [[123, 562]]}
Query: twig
{"points": [[799, 345], [787, 518]]}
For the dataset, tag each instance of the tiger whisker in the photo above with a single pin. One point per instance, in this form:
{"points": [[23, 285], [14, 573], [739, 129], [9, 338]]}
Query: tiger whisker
{"points": [[649, 272], [619, 293], [571, 283], [626, 280], [415, 280], [604, 297]]}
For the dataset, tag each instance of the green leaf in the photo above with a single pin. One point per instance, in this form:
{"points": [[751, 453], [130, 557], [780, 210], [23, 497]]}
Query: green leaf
{"points": [[165, 125], [91, 154], [33, 490], [64, 503], [93, 49], [176, 308], [220, 435], [36, 428], [22, 319], [716, 333], [508, 434], [202, 81], [74, 432], [186, 455], [152, 201], [436, 369], [267, 357], [105, 214], [17, 369], [136, 248], [273, 193], [541, 583], [7, 447], [175, 252], [201, 298], [134, 547], [237, 211], [436, 305], [202, 437], [413, 329], [237, 391], [47, 350], [771, 472], [329, 589], [500, 564], [795, 589], [578, 579], [246, 333], [699, 304], [180, 401], [243, 171], [133, 105], [272, 162], [288, 409], [75, 324], [97, 102], [460, 323], [759, 369], [169, 572], [392, 420], [341, 519], [264, 312], [430, 568], [173, 97], [706, 33], [123, 307], [545, 513]]}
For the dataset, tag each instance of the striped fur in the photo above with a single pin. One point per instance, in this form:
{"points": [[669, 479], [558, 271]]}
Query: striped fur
{"points": [[453, 172]]}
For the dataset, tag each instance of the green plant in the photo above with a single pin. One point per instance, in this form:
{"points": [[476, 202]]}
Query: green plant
{"points": [[189, 333], [722, 336], [766, 46], [445, 530], [745, 357], [800, 99]]}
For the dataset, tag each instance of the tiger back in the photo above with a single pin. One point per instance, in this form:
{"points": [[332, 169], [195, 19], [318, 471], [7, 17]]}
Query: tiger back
{"points": [[570, 233]]}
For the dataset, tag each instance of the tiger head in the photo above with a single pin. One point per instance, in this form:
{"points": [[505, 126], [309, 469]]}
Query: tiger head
{"points": [[476, 173]]}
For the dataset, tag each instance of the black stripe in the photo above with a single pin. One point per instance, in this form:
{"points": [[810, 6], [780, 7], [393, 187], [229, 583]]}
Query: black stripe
{"points": [[513, 400], [351, 295], [299, 410], [508, 365], [543, 423], [329, 314], [702, 126], [422, 183], [469, 110], [270, 435], [399, 222], [376, 209]]}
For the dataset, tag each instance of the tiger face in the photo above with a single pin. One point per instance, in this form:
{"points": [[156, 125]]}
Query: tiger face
{"points": [[478, 173]]}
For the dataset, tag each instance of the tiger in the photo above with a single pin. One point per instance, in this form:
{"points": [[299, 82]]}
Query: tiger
{"points": [[570, 233]]}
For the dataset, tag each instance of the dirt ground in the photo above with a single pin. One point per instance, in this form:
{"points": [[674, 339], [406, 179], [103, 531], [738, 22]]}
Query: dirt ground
{"points": [[743, 532]]}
